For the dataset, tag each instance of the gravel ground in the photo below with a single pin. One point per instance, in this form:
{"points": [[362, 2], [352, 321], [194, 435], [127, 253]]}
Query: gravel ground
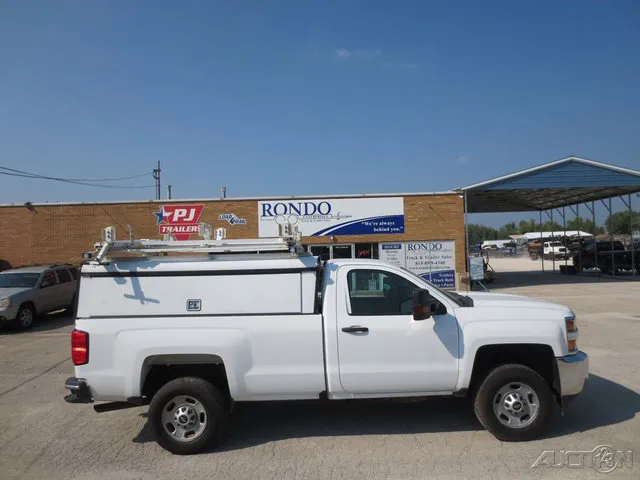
{"points": [[44, 438]]}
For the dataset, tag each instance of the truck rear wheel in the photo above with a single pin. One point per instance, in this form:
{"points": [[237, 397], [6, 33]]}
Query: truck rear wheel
{"points": [[514, 403], [187, 415]]}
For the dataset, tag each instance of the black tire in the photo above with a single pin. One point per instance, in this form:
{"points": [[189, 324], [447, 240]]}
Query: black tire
{"points": [[200, 391], [504, 376], [26, 316]]}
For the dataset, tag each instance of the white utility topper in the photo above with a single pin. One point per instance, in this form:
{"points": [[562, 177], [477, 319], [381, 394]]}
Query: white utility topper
{"points": [[263, 320]]}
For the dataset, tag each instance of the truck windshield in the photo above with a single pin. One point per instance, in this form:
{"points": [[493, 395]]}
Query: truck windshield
{"points": [[19, 280], [460, 300], [556, 244]]}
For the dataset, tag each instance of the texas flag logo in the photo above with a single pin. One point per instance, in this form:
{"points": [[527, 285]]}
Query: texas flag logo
{"points": [[179, 220]]}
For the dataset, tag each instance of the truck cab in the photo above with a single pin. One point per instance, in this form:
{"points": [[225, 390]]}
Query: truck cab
{"points": [[554, 250], [192, 335]]}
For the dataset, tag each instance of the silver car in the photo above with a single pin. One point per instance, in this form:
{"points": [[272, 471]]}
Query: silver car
{"points": [[26, 292]]}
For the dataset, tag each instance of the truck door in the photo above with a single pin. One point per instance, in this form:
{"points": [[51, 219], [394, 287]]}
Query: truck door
{"points": [[48, 294], [381, 348], [66, 288]]}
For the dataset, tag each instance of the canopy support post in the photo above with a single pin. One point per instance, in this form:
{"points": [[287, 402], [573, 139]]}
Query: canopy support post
{"points": [[579, 238], [613, 258], [553, 257], [466, 237], [595, 232], [541, 247], [564, 239], [627, 203], [576, 212]]}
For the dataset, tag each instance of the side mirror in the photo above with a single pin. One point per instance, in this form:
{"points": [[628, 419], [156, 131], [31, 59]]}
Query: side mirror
{"points": [[423, 303]]}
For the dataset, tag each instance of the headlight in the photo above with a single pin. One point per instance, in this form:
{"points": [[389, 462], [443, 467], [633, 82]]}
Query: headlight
{"points": [[572, 334], [5, 302]]}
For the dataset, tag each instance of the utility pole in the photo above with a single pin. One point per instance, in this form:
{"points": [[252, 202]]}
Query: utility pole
{"points": [[156, 176], [169, 192], [223, 190]]}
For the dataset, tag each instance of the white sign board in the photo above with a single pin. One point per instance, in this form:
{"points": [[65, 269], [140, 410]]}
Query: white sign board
{"points": [[476, 268], [434, 261], [392, 253], [333, 216]]}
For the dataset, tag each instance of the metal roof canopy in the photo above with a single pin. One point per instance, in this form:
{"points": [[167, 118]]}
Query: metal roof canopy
{"points": [[564, 182]]}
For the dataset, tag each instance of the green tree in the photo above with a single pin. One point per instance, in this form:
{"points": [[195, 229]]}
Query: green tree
{"points": [[527, 226], [480, 233], [584, 225], [618, 223], [549, 226], [506, 230]]}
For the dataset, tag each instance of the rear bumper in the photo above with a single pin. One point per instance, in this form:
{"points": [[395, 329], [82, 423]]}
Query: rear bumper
{"points": [[79, 391], [573, 371]]}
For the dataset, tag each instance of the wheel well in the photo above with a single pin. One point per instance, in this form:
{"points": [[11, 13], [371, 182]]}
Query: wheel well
{"points": [[158, 370], [538, 357], [31, 304]]}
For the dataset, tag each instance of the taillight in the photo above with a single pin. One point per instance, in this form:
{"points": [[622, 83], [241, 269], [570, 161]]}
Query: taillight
{"points": [[572, 334], [79, 347]]}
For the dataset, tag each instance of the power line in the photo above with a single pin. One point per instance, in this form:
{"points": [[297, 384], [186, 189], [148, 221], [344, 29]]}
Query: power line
{"points": [[75, 182], [35, 175]]}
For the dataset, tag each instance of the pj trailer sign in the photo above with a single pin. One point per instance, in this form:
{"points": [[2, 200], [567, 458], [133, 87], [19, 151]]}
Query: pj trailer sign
{"points": [[180, 221]]}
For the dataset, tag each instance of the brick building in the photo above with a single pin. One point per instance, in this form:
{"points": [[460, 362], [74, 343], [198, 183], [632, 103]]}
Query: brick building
{"points": [[423, 232]]}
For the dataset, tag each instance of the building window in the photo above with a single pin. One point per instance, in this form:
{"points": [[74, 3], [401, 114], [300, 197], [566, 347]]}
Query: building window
{"points": [[344, 250], [322, 251], [366, 250]]}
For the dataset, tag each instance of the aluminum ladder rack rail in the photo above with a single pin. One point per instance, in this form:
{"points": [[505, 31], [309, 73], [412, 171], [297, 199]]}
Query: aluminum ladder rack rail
{"points": [[288, 242]]}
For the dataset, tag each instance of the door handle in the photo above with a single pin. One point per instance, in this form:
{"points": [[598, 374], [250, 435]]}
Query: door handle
{"points": [[355, 329]]}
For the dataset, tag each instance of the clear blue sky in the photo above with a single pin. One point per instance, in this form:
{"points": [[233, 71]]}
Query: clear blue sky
{"points": [[289, 97]]}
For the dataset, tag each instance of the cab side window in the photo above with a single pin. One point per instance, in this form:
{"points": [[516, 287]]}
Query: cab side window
{"points": [[376, 292], [64, 275], [48, 279]]}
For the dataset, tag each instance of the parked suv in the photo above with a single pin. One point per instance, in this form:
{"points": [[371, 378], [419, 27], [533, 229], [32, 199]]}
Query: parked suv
{"points": [[26, 292]]}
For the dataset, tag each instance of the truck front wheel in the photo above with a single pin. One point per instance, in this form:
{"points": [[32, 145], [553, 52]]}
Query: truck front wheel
{"points": [[514, 403], [187, 415]]}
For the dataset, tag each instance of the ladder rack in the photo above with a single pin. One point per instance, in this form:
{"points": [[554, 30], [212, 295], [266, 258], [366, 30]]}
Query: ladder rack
{"points": [[288, 241]]}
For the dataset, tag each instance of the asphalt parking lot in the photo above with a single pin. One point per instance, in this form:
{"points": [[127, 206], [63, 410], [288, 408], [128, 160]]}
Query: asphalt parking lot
{"points": [[45, 438]]}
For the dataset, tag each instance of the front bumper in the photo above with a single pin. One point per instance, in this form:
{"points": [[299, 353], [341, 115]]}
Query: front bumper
{"points": [[573, 371], [79, 389], [8, 314]]}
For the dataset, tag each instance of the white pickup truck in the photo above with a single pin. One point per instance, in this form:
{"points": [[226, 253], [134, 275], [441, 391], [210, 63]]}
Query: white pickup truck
{"points": [[555, 250], [191, 335]]}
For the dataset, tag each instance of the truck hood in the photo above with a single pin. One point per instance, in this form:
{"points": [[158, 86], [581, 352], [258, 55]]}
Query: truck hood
{"points": [[503, 300], [10, 291]]}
